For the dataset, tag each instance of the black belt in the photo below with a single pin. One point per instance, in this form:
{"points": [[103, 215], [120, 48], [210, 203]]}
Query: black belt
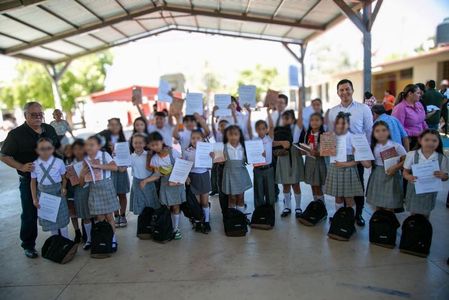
{"points": [[264, 167]]}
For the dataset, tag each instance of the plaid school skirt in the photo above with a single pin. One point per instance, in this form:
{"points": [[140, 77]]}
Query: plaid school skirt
{"points": [[236, 179], [171, 195], [102, 197], [315, 171], [139, 199], [81, 198], [120, 181], [343, 182], [62, 219], [419, 204], [383, 190]]}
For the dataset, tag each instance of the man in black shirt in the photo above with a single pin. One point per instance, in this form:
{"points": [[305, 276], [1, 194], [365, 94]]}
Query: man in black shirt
{"points": [[19, 152]]}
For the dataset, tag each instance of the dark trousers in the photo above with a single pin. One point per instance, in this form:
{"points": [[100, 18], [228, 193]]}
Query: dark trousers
{"points": [[264, 186], [360, 200], [222, 197], [276, 187], [28, 227], [213, 178]]}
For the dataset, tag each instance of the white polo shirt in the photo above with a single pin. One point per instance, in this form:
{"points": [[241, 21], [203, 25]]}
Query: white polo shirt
{"points": [[56, 172]]}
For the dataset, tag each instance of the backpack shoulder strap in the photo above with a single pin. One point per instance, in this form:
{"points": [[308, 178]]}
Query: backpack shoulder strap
{"points": [[172, 158], [416, 157], [103, 161]]}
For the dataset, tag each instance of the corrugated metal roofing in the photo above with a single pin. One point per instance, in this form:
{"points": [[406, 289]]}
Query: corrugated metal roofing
{"points": [[54, 31]]}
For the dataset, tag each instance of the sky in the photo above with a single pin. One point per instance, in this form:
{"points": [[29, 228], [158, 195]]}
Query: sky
{"points": [[401, 26]]}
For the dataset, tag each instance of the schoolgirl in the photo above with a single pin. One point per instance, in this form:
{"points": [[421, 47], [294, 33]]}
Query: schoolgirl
{"points": [[384, 190], [199, 178], [430, 148], [146, 197], [235, 179], [290, 165], [171, 194], [140, 125], [102, 196], [182, 131], [46, 178], [114, 134]]}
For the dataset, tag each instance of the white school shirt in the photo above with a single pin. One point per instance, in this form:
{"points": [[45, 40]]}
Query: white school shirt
{"points": [[114, 139], [389, 144], [138, 165], [99, 157], [361, 119], [242, 122], [410, 160], [56, 172], [163, 165], [349, 150], [268, 147], [296, 131], [189, 154], [235, 153], [184, 138], [219, 136], [166, 132]]}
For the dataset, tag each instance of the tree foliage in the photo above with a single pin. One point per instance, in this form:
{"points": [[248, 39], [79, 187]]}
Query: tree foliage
{"points": [[261, 77]]}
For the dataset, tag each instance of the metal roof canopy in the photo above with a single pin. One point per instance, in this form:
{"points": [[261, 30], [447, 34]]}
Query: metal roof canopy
{"points": [[57, 31]]}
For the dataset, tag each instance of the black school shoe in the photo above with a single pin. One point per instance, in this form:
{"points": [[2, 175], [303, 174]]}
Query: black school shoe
{"points": [[286, 212], [87, 246], [298, 213], [207, 227], [359, 220], [31, 253]]}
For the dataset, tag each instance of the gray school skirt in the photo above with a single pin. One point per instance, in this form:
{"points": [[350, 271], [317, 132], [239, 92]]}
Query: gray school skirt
{"points": [[419, 204], [287, 173], [200, 183], [315, 171], [62, 220], [81, 198], [102, 197], [383, 190], [120, 181], [236, 179], [343, 182], [139, 199], [171, 195]]}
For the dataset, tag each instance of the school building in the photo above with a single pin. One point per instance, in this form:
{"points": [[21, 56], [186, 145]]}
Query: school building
{"points": [[391, 75]]}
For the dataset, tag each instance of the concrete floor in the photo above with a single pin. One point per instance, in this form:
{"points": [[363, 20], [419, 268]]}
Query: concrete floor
{"points": [[289, 262]]}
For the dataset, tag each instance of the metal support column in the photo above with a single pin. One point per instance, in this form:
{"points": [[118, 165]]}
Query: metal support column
{"points": [[300, 59], [55, 76]]}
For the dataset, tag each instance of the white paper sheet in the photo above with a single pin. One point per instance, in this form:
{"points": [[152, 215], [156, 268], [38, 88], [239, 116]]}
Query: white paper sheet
{"points": [[426, 182], [219, 152], [222, 101], [247, 94], [194, 103], [341, 150], [202, 155], [122, 156], [180, 171], [49, 207], [254, 150], [389, 162], [163, 90], [362, 149]]}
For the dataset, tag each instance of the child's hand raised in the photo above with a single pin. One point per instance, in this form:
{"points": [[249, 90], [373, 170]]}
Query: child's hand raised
{"points": [[247, 107]]}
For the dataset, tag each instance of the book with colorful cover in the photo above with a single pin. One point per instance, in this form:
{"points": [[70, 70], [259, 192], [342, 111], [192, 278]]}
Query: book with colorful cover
{"points": [[389, 153], [328, 144], [93, 174]]}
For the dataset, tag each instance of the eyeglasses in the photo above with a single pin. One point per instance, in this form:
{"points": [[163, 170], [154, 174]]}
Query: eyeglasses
{"points": [[45, 149], [36, 115]]}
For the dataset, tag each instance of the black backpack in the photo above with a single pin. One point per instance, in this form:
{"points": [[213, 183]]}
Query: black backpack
{"points": [[59, 249], [383, 226], [342, 225], [235, 223], [191, 208], [314, 213], [416, 236], [282, 133], [144, 223], [102, 235], [263, 217], [162, 225]]}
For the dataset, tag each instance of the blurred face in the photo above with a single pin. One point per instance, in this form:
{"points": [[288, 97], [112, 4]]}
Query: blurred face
{"points": [[78, 152], [287, 120], [280, 105], [316, 105], [34, 116], [414, 97], [45, 150], [159, 121], [57, 115], [315, 122], [92, 147], [341, 126], [195, 138], [262, 130], [68, 152], [345, 92], [139, 126], [222, 126], [189, 124], [233, 137], [138, 144], [381, 134], [429, 142], [114, 127], [156, 146]]}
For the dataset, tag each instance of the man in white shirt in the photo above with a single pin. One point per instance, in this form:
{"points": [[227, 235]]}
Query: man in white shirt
{"points": [[314, 107], [361, 121], [281, 106]]}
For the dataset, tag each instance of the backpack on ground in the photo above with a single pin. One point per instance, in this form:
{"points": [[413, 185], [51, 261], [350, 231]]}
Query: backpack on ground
{"points": [[102, 235], [162, 225], [383, 226], [263, 217], [191, 208], [235, 223], [416, 237], [314, 213], [59, 249], [342, 225], [144, 223], [282, 133]]}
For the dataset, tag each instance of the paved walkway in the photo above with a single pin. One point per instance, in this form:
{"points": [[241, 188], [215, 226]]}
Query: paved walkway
{"points": [[289, 262]]}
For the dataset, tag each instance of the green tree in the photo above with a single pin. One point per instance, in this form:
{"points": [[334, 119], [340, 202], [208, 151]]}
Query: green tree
{"points": [[261, 77]]}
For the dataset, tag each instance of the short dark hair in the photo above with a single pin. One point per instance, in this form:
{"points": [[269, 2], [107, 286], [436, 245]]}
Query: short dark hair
{"points": [[44, 139], [78, 143], [421, 86], [368, 95], [316, 99], [378, 109], [344, 81], [431, 84], [188, 118], [160, 114], [283, 97], [261, 122], [155, 136]]}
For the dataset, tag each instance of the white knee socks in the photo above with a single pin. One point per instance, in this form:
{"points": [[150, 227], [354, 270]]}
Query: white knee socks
{"points": [[88, 228], [206, 211], [175, 221], [287, 200], [298, 201], [64, 232]]}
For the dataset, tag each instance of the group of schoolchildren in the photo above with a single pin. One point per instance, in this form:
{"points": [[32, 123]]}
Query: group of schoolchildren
{"points": [[153, 158]]}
